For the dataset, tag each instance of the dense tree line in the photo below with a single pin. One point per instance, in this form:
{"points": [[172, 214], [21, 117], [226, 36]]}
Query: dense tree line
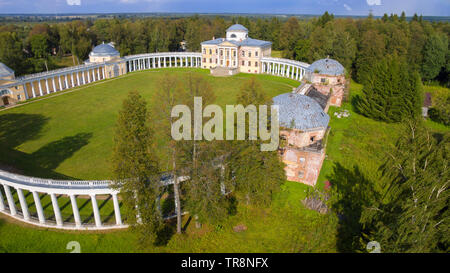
{"points": [[356, 43]]}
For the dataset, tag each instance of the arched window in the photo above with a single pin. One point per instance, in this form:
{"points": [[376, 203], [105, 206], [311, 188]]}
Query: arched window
{"points": [[233, 35]]}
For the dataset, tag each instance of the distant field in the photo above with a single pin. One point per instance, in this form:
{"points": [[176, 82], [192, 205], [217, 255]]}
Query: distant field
{"points": [[71, 135]]}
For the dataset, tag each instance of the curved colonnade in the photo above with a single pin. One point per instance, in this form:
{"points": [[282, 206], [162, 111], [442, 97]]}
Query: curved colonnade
{"points": [[13, 200]]}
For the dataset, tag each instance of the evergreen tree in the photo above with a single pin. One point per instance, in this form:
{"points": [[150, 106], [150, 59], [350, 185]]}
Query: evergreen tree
{"points": [[136, 168], [258, 175], [413, 214], [392, 91]]}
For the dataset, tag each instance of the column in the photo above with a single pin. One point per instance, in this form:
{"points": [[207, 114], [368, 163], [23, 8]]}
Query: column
{"points": [[117, 209], [76, 213], [176, 61], [78, 79], [2, 203], [32, 89], [46, 86], [93, 75], [170, 61], [165, 62], [71, 80], [98, 221], [103, 71], [60, 85], [82, 76], [129, 66], [23, 205], [40, 211], [55, 204], [25, 90], [159, 62], [98, 73], [40, 88], [65, 81], [53, 83], [88, 76], [9, 197]]}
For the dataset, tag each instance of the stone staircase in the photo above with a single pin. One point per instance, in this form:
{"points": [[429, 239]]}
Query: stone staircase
{"points": [[220, 71]]}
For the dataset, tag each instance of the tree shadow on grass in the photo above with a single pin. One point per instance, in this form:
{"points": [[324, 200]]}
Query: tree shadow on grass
{"points": [[165, 234], [16, 129], [352, 192]]}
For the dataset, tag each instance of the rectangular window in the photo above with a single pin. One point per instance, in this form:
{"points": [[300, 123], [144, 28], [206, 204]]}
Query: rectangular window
{"points": [[204, 50], [243, 62], [322, 80], [210, 51], [249, 53], [300, 174], [256, 64], [204, 60], [217, 50], [221, 52], [243, 53], [256, 53], [249, 63], [18, 97], [210, 60]]}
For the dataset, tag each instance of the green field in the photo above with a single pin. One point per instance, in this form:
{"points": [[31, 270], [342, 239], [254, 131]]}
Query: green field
{"points": [[71, 136]]}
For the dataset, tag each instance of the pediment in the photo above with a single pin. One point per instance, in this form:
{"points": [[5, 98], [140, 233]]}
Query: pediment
{"points": [[226, 43]]}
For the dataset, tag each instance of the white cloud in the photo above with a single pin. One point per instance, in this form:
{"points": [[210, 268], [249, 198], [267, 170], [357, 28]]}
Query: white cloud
{"points": [[347, 7], [373, 2], [74, 2]]}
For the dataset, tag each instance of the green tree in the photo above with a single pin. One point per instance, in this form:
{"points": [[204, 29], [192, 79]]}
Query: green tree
{"points": [[391, 92], [413, 214], [11, 53], [434, 54], [136, 168]]}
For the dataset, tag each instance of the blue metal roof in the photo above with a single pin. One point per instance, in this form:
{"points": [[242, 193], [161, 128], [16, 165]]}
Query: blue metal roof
{"points": [[237, 27], [104, 50], [5, 71], [327, 67], [298, 111]]}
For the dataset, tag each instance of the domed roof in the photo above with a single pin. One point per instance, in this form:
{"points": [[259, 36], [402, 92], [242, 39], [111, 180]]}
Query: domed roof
{"points": [[5, 71], [104, 50], [298, 111], [237, 27], [327, 67]]}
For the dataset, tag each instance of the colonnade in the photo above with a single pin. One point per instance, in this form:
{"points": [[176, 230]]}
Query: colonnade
{"points": [[163, 60], [40, 84], [284, 68]]}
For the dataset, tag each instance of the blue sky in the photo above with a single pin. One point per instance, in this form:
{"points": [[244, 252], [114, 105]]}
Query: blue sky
{"points": [[341, 7]]}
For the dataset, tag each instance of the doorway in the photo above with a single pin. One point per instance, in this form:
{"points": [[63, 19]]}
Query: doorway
{"points": [[5, 100]]}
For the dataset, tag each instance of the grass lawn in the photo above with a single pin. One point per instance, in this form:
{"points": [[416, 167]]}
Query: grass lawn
{"points": [[71, 135]]}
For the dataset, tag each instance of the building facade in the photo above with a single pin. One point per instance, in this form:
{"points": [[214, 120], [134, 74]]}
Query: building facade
{"points": [[236, 51]]}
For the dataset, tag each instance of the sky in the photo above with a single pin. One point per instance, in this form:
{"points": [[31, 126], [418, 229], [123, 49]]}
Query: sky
{"points": [[338, 7]]}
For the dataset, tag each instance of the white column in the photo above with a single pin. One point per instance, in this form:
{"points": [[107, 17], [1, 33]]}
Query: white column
{"points": [[82, 77], [23, 204], [46, 86], [60, 85], [40, 87], [93, 75], [25, 89], [54, 84], [39, 210], [98, 73], [78, 79], [170, 61], [65, 81], [88, 75], [159, 62], [32, 89], [76, 213], [59, 221], [9, 197], [71, 80], [165, 62], [98, 221], [103, 72], [117, 209], [2, 203]]}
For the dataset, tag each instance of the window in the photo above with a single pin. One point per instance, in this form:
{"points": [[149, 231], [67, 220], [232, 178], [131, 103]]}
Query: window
{"points": [[204, 60], [322, 80], [210, 51], [216, 61], [221, 52], [249, 53], [204, 50], [210, 60], [312, 138], [18, 97], [256, 64], [301, 174], [234, 53], [249, 63], [233, 35], [243, 62], [217, 50], [243, 53], [256, 53], [221, 62]]}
